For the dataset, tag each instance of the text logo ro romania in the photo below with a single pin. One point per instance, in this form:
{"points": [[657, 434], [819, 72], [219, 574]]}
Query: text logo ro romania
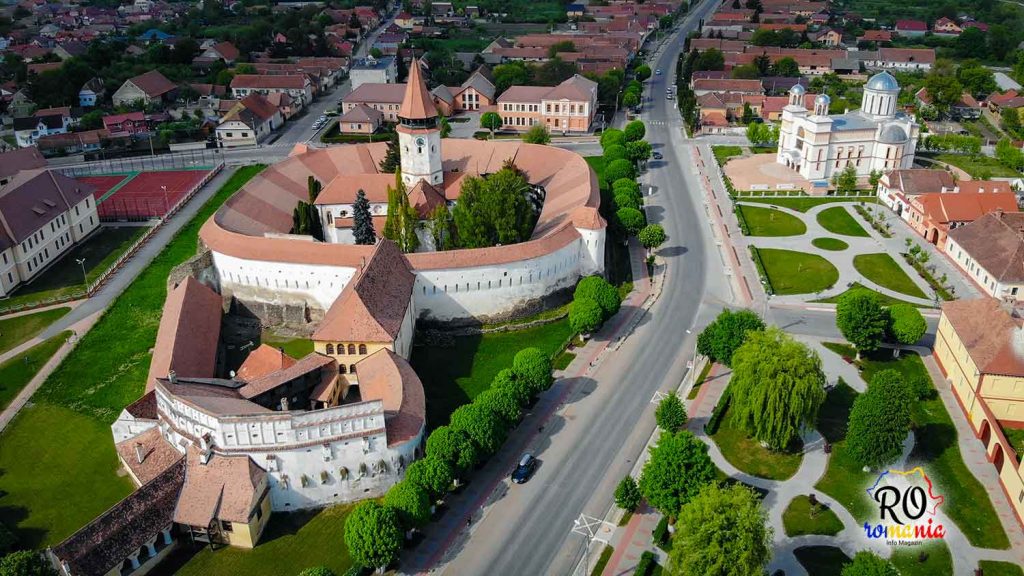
{"points": [[907, 506]]}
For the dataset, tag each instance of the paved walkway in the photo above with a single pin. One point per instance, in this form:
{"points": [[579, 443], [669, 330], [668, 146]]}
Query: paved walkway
{"points": [[24, 346]]}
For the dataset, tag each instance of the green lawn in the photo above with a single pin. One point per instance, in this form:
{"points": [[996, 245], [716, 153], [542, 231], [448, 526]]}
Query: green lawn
{"points": [[562, 361], [724, 153], [844, 480], [71, 476], [994, 568], [597, 163], [602, 560], [821, 560], [797, 272], [805, 203], [293, 541], [883, 299], [454, 375], [937, 450], [1015, 436], [838, 220], [938, 563], [978, 166], [749, 456], [294, 347], [771, 222], [695, 389], [833, 244], [798, 520], [14, 331], [100, 251], [16, 372], [881, 269]]}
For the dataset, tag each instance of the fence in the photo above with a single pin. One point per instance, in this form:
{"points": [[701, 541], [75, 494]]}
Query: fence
{"points": [[176, 161], [130, 209]]}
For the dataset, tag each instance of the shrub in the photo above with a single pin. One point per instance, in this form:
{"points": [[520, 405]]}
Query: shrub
{"points": [[617, 169], [660, 534], [631, 219], [627, 494], [8, 540], [920, 387], [671, 414], [626, 200], [599, 290], [614, 152], [585, 315], [611, 137], [626, 185], [646, 564]]}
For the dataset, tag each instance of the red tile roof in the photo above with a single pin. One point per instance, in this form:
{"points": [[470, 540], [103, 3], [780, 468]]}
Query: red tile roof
{"points": [[153, 83], [157, 455], [417, 104], [275, 81], [189, 333], [996, 242], [225, 488], [911, 25], [386, 376], [989, 333], [263, 361]]}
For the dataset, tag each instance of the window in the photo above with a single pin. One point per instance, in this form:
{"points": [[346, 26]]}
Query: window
{"points": [[362, 348], [351, 348], [352, 368], [330, 348], [245, 134], [342, 369], [225, 525]]}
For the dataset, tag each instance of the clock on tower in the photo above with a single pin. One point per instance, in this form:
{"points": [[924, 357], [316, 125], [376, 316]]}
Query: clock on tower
{"points": [[418, 134]]}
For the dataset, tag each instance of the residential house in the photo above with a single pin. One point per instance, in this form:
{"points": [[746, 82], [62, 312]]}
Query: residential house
{"points": [[897, 186], [387, 98], [21, 104], [297, 86], [900, 59], [249, 122], [911, 28], [946, 27], [91, 93], [28, 130], [726, 86], [17, 160], [827, 36], [128, 124], [935, 214], [40, 67], [478, 91], [967, 108], [223, 51], [990, 251], [42, 215], [73, 142], [373, 71], [150, 88], [877, 36], [360, 119], [1008, 99], [568, 107]]}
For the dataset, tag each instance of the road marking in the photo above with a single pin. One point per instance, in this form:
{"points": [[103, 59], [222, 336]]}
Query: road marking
{"points": [[593, 528]]}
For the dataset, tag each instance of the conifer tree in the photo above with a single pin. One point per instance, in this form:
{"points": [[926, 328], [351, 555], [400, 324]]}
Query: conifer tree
{"points": [[363, 222]]}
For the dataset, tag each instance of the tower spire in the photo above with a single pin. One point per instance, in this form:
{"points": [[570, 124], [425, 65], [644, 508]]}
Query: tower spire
{"points": [[417, 103]]}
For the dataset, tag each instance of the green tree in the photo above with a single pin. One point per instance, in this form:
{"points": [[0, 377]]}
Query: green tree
{"points": [[777, 387], [392, 159], [626, 185], [639, 151], [631, 219], [452, 446], [317, 571], [866, 563], [614, 152], [445, 127], [874, 177], [943, 90], [500, 401], [748, 114], [634, 131], [880, 420], [721, 338], [786, 66], [411, 502], [906, 324], [537, 134], [491, 121], [626, 200], [601, 291], [861, 320], [612, 136], [745, 72], [671, 414], [8, 540], [722, 531], [483, 427], [652, 236], [642, 72], [506, 379], [400, 226], [432, 474], [631, 99], [976, 78], [495, 210], [25, 563], [585, 315], [678, 468], [710, 59], [845, 181], [362, 221], [441, 231], [373, 535], [533, 367], [627, 494]]}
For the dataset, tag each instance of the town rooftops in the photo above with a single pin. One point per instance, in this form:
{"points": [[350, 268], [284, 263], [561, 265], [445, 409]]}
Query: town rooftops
{"points": [[728, 85], [965, 206], [907, 55], [270, 81], [576, 88], [189, 333], [224, 488], [362, 113], [377, 93], [996, 242], [920, 181], [153, 83], [20, 159], [33, 198], [417, 103], [989, 333]]}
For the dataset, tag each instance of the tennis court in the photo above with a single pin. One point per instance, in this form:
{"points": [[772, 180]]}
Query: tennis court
{"points": [[144, 195]]}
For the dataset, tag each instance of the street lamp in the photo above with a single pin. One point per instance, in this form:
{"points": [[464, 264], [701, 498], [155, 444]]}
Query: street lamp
{"points": [[85, 279], [166, 207]]}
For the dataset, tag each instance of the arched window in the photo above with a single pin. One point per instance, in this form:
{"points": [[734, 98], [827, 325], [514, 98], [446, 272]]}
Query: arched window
{"points": [[342, 369], [341, 348], [362, 348], [351, 348], [352, 368], [330, 348]]}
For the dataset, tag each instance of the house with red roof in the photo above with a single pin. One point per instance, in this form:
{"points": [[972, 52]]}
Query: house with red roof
{"points": [[911, 28], [249, 122], [149, 88]]}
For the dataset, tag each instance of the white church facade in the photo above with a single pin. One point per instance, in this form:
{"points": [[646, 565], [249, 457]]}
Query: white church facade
{"points": [[877, 137]]}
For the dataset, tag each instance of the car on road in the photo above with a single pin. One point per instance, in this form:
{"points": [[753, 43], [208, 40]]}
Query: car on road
{"points": [[657, 156], [657, 72], [522, 473]]}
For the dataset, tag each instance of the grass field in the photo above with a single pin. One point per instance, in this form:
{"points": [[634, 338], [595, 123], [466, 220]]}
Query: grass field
{"points": [[771, 222], [293, 541], [724, 153], [994, 568], [881, 269], [700, 380], [796, 272], [602, 561], [454, 376], [597, 164], [797, 520], [833, 244], [805, 203], [100, 251], [821, 560], [67, 429], [1015, 436], [14, 331], [749, 456], [16, 372], [838, 220], [939, 562], [978, 166], [883, 299], [294, 347], [937, 450]]}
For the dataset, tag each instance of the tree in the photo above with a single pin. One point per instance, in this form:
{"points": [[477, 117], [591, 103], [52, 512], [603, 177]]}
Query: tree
{"points": [[943, 90], [400, 226], [601, 291], [971, 43], [411, 502], [452, 446], [537, 134], [721, 338], [392, 159], [373, 534], [745, 72], [617, 169], [533, 367], [976, 78], [501, 402], [671, 414], [639, 151], [786, 67], [445, 127], [441, 228], [631, 99], [724, 531], [495, 210], [861, 320], [1011, 120], [626, 200], [678, 468], [868, 564], [874, 177], [362, 221], [634, 131], [627, 494], [906, 324], [845, 181], [626, 185], [491, 121], [25, 563], [652, 236], [710, 59], [642, 72], [777, 387], [8, 540], [880, 420], [614, 152], [585, 315], [748, 114], [631, 219], [317, 571], [612, 136], [506, 379], [482, 426], [94, 120], [432, 474]]}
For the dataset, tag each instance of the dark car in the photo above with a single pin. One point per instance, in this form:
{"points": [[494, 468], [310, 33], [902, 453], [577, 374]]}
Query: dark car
{"points": [[522, 473], [657, 156]]}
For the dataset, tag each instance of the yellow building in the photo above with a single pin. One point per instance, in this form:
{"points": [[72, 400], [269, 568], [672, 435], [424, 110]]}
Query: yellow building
{"points": [[980, 348]]}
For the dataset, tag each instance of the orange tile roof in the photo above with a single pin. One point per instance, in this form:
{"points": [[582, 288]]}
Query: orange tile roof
{"points": [[417, 103], [309, 363], [225, 488], [996, 242], [988, 332], [189, 333], [387, 376], [963, 206], [263, 361], [157, 455]]}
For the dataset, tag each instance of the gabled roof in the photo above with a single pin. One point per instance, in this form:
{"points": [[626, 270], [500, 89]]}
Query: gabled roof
{"points": [[157, 455], [153, 83], [388, 377], [373, 304], [312, 362], [362, 113], [34, 197], [20, 159], [225, 488], [965, 206], [260, 106], [263, 361], [920, 180], [425, 198], [989, 333], [277, 81], [189, 333], [226, 50], [480, 82], [996, 242], [417, 103], [95, 84]]}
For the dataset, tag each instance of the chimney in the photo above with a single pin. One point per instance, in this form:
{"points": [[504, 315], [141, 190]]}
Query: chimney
{"points": [[138, 452], [284, 404], [172, 377]]}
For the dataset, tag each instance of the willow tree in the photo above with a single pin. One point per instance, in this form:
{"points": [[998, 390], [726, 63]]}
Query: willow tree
{"points": [[777, 387]]}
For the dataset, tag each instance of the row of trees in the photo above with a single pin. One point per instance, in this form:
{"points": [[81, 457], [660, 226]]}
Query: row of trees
{"points": [[866, 324], [959, 143], [374, 530], [305, 218], [1009, 155]]}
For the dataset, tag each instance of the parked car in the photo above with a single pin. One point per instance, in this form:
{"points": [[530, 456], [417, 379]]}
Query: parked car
{"points": [[522, 473], [657, 156]]}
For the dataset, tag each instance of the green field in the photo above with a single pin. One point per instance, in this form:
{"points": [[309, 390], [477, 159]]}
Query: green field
{"points": [[771, 222], [797, 272], [749, 456], [881, 269], [16, 372], [833, 244], [805, 203], [838, 220], [67, 428], [993, 568], [800, 518], [821, 560], [978, 166], [883, 299], [14, 331], [938, 561], [724, 153], [294, 347]]}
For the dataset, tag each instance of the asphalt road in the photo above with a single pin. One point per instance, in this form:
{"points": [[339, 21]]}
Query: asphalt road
{"points": [[595, 439]]}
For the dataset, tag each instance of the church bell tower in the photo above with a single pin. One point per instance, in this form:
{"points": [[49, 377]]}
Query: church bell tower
{"points": [[418, 134]]}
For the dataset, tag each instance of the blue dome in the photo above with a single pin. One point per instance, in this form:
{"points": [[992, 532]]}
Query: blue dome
{"points": [[882, 81], [797, 89], [893, 134], [823, 99]]}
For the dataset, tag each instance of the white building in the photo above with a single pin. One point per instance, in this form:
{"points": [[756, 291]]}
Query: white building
{"points": [[248, 123], [876, 137], [990, 251], [27, 131], [372, 70]]}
